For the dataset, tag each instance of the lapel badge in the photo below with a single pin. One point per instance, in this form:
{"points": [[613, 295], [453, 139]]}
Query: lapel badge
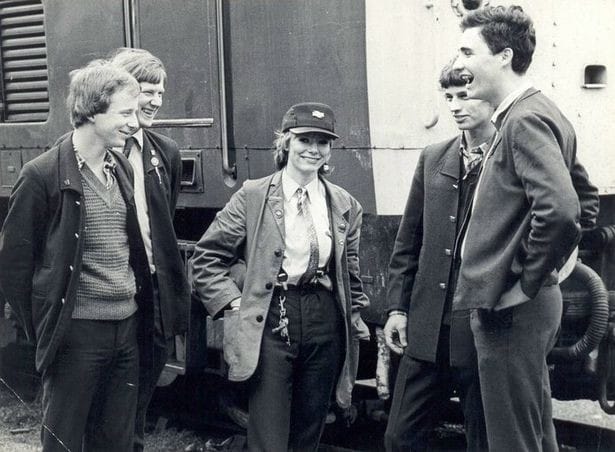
{"points": [[318, 114], [151, 151], [342, 227], [279, 213], [155, 161]]}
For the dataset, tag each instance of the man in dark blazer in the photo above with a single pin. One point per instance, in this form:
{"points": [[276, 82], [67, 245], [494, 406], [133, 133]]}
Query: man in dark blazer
{"points": [[438, 353], [73, 264], [524, 223], [157, 164]]}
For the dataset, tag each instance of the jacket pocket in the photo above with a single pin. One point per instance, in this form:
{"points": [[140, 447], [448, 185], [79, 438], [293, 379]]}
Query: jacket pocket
{"points": [[41, 281], [230, 339]]}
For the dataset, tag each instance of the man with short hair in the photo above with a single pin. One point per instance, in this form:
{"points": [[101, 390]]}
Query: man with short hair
{"points": [[72, 260], [157, 166], [437, 348], [524, 223]]}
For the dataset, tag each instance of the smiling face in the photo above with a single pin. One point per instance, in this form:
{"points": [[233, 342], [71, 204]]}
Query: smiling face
{"points": [[468, 113], [115, 125], [481, 69], [307, 152], [150, 101]]}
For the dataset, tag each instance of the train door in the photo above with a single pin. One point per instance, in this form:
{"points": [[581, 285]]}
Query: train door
{"points": [[185, 36]]}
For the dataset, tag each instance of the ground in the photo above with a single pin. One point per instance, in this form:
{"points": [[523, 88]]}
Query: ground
{"points": [[20, 428], [20, 425]]}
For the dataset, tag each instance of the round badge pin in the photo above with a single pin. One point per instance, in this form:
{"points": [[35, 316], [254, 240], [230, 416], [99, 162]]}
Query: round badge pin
{"points": [[155, 161]]}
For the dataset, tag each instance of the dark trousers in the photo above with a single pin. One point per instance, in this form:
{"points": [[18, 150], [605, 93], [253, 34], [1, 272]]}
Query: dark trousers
{"points": [[90, 389], [290, 392], [512, 347], [154, 351], [421, 389]]}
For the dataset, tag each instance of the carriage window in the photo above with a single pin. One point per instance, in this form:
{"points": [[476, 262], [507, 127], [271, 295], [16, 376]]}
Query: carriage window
{"points": [[595, 76], [24, 82]]}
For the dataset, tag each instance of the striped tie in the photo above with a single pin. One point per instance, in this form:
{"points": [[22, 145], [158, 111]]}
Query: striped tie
{"points": [[303, 208]]}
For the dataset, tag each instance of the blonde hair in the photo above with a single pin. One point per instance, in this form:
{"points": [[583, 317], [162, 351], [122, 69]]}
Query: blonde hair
{"points": [[281, 143], [92, 86]]}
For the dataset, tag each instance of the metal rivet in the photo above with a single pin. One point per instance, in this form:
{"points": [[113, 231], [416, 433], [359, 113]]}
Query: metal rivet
{"points": [[442, 286]]}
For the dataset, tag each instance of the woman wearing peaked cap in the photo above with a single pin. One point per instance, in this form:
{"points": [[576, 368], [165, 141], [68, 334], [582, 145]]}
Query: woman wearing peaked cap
{"points": [[293, 331]]}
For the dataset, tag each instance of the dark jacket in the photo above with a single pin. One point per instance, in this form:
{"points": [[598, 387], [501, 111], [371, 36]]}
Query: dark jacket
{"points": [[423, 253], [526, 215], [161, 194], [252, 225], [41, 244]]}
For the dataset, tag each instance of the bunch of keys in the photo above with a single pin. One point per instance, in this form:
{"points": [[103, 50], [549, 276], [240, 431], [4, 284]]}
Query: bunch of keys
{"points": [[282, 327]]}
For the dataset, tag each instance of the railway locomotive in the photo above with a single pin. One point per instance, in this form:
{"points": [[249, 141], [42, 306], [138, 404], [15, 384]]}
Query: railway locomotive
{"points": [[234, 68]]}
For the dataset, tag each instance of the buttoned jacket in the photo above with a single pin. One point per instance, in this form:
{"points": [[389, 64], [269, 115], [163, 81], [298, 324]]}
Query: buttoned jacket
{"points": [[251, 226], [162, 175], [526, 214], [41, 244], [423, 252]]}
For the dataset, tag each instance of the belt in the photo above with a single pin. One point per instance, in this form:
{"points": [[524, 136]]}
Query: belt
{"points": [[321, 279], [322, 283]]}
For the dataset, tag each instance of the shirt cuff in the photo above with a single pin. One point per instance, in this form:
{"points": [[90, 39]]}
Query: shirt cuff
{"points": [[398, 312]]}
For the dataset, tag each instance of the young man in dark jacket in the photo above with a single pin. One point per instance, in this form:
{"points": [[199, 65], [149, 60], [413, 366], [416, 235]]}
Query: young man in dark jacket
{"points": [[525, 222], [72, 263], [437, 348], [157, 166]]}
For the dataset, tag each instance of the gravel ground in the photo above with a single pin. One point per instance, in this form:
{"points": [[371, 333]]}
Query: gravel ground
{"points": [[586, 411], [20, 425], [20, 429]]}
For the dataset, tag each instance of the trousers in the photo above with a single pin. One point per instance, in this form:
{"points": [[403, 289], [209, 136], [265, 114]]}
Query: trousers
{"points": [[290, 392], [512, 347], [90, 389], [154, 350], [421, 388]]}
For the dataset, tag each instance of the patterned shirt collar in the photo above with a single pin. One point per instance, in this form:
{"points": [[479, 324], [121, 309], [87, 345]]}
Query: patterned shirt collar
{"points": [[108, 167], [465, 152]]}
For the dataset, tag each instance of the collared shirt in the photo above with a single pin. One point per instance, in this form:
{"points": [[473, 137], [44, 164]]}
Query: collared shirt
{"points": [[500, 112], [108, 167], [297, 246], [472, 156], [136, 160]]}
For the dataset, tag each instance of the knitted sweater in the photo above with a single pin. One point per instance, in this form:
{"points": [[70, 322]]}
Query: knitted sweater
{"points": [[107, 283]]}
